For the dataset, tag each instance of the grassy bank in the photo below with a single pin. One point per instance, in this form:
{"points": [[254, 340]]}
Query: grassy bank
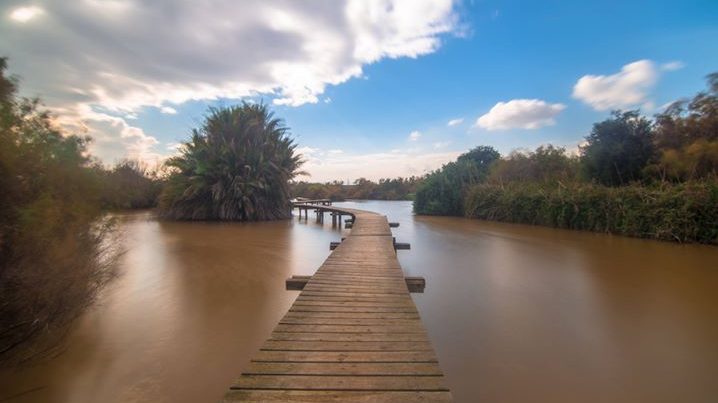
{"points": [[686, 212]]}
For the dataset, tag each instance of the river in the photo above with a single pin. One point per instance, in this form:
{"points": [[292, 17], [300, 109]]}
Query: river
{"points": [[516, 313]]}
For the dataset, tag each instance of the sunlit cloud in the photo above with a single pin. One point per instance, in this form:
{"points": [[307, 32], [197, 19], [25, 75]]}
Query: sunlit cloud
{"points": [[168, 110], [25, 14], [415, 135], [520, 114], [627, 88], [174, 52]]}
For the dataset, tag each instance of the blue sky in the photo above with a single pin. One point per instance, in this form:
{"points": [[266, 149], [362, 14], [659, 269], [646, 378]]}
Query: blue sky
{"points": [[368, 89]]}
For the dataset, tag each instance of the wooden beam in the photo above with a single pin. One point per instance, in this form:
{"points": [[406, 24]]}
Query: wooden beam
{"points": [[297, 283], [393, 224], [333, 245]]}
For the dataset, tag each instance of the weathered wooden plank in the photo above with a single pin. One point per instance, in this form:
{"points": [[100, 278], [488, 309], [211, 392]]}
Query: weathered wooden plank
{"points": [[296, 345], [305, 308], [345, 356], [353, 315], [348, 321], [414, 328], [386, 383], [348, 336], [340, 368], [335, 396]]}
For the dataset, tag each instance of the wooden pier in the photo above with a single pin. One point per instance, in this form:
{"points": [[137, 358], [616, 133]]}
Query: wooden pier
{"points": [[353, 333]]}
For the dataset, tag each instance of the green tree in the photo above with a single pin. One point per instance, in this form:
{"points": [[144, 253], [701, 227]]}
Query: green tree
{"points": [[237, 166], [618, 149], [442, 192], [687, 137], [546, 164], [52, 262]]}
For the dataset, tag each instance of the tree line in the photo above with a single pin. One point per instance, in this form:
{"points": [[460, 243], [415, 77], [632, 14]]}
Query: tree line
{"points": [[362, 188], [654, 178]]}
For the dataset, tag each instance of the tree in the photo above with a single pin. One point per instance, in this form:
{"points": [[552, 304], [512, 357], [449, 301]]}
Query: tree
{"points": [[687, 137], [618, 149], [52, 259], [237, 166], [546, 164], [442, 192]]}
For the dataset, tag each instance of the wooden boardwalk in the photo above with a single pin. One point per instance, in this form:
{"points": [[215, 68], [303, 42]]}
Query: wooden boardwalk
{"points": [[353, 333]]}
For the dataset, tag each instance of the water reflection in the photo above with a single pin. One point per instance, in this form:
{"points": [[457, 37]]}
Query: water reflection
{"points": [[516, 313]]}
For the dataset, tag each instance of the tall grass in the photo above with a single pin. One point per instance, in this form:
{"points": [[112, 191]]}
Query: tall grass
{"points": [[686, 212]]}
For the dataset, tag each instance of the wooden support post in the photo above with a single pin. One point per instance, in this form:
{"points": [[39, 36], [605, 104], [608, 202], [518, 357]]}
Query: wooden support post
{"points": [[393, 224], [415, 284], [400, 245], [333, 245], [296, 283]]}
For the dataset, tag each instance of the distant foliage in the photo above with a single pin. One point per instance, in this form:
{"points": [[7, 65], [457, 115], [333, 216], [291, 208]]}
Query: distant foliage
{"points": [[53, 242], [237, 167], [545, 164], [442, 192], [686, 135], [386, 189], [681, 212], [130, 185]]}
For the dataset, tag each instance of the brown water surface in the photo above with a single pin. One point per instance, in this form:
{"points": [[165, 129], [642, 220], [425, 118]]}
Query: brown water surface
{"points": [[516, 313]]}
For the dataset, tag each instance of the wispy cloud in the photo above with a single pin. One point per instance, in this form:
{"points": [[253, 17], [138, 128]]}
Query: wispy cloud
{"points": [[673, 66], [455, 122], [415, 135]]}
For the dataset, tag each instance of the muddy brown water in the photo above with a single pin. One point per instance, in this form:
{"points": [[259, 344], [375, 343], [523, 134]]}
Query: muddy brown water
{"points": [[516, 313]]}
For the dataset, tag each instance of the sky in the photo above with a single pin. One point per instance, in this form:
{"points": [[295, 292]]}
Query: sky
{"points": [[370, 89]]}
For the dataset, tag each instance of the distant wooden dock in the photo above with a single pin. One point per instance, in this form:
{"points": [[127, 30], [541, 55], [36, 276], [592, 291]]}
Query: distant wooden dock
{"points": [[353, 333]]}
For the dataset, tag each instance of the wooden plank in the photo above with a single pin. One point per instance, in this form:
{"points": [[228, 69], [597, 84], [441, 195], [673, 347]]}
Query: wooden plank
{"points": [[385, 383], [345, 356], [341, 368], [295, 345], [335, 396], [414, 328], [348, 336]]}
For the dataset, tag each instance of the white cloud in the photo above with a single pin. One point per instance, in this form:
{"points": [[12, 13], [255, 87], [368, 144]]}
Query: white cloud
{"points": [[168, 110], [441, 144], [455, 122], [336, 152], [673, 66], [415, 135], [25, 14], [120, 57], [627, 88], [520, 114]]}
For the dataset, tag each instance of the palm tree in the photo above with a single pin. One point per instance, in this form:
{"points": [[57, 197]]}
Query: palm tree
{"points": [[237, 166]]}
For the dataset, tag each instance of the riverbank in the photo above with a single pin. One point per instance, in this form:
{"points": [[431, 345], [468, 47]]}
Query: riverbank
{"points": [[686, 212]]}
